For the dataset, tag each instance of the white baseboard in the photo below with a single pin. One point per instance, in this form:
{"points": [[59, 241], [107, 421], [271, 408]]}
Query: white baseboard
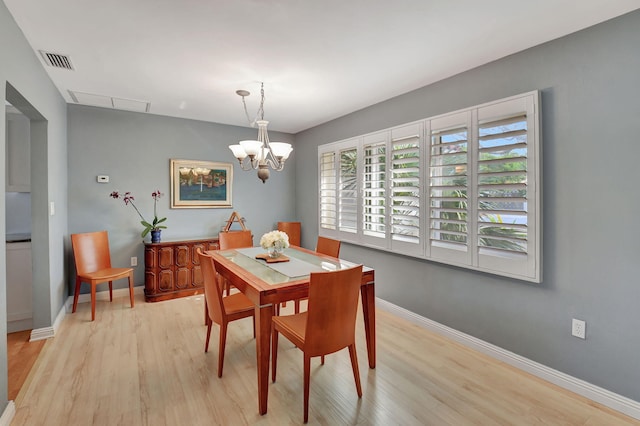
{"points": [[610, 399], [8, 414]]}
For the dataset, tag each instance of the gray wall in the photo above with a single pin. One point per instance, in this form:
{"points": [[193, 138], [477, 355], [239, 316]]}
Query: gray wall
{"points": [[134, 150], [28, 88], [590, 83]]}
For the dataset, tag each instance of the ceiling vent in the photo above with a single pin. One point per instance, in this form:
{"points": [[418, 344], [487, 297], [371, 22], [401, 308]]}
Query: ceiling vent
{"points": [[56, 60], [109, 101]]}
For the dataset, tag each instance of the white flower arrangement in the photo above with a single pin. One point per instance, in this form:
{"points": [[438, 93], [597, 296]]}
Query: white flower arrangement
{"points": [[277, 239]]}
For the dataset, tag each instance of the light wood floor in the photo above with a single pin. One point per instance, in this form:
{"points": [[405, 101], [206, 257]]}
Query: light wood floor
{"points": [[147, 366], [21, 355]]}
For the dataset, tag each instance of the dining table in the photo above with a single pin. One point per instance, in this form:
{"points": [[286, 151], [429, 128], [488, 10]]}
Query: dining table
{"points": [[267, 284]]}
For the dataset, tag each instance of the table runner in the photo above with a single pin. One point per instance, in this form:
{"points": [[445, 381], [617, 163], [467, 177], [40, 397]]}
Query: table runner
{"points": [[292, 268]]}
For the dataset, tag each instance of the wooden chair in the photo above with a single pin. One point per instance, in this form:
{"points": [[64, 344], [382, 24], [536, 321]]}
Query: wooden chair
{"points": [[292, 229], [221, 310], [231, 240], [327, 246], [327, 326], [235, 239], [93, 266]]}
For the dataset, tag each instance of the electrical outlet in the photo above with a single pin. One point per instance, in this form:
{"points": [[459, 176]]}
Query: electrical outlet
{"points": [[578, 328], [134, 261]]}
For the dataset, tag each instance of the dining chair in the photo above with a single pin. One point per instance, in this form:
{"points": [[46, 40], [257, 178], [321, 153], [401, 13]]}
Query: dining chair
{"points": [[221, 310], [292, 229], [93, 266], [234, 239], [327, 246], [327, 326]]}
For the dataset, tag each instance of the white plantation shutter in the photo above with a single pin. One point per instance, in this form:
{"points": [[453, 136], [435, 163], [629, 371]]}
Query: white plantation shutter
{"points": [[461, 188], [449, 181], [328, 191], [348, 191], [508, 196], [502, 184], [405, 188], [374, 186]]}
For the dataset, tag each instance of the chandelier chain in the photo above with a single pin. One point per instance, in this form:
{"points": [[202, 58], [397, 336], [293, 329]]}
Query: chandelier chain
{"points": [[259, 113]]}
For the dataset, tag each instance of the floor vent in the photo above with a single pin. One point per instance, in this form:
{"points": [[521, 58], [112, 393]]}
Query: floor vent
{"points": [[56, 60]]}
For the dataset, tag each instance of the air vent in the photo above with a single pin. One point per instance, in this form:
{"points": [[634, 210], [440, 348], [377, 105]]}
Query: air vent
{"points": [[109, 101], [56, 60]]}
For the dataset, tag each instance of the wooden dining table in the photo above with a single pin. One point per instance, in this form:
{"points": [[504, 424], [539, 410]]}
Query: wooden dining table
{"points": [[268, 284]]}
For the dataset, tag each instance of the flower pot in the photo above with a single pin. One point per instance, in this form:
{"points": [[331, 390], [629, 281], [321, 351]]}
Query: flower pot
{"points": [[155, 236]]}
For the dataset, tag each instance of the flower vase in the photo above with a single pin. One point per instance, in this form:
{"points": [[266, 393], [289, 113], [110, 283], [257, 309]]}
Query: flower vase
{"points": [[274, 252], [155, 236]]}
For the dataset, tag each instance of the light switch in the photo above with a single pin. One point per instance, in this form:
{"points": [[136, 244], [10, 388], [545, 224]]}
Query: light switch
{"points": [[52, 208], [102, 179]]}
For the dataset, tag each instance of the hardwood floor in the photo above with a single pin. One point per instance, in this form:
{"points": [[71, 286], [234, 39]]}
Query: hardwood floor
{"points": [[147, 366], [21, 355]]}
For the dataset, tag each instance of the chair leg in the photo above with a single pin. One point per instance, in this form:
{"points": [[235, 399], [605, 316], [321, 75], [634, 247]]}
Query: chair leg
{"points": [[307, 377], [322, 359], [274, 354], [131, 288], [76, 293], [223, 343], [110, 291], [296, 306], [354, 366], [206, 312], [206, 343], [93, 301]]}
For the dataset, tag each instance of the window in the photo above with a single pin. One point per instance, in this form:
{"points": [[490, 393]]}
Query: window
{"points": [[348, 191], [374, 187], [461, 188], [328, 178]]}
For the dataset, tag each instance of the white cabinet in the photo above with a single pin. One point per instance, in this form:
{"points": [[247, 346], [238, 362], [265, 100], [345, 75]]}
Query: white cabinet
{"points": [[19, 287], [18, 151]]}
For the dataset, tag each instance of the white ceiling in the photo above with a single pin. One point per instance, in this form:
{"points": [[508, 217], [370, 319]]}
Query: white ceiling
{"points": [[318, 59]]}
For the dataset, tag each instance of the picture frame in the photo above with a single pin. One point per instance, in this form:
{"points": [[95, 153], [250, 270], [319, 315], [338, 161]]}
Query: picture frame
{"points": [[198, 184]]}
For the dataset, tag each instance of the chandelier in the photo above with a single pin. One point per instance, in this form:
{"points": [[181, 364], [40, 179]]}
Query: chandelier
{"points": [[262, 153]]}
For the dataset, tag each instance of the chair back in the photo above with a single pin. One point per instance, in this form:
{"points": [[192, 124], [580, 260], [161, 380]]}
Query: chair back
{"points": [[235, 239], [91, 251], [212, 290], [328, 246], [292, 229], [331, 313]]}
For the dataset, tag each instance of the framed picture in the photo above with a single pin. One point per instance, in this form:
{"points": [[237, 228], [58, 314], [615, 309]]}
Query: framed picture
{"points": [[199, 184]]}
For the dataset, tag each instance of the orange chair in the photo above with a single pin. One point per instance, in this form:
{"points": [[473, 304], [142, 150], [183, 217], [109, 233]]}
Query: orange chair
{"points": [[234, 239], [327, 246], [93, 266], [292, 229], [221, 310], [326, 327]]}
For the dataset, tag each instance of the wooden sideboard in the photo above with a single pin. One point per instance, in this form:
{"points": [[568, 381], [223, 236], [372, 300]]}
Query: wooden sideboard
{"points": [[172, 268]]}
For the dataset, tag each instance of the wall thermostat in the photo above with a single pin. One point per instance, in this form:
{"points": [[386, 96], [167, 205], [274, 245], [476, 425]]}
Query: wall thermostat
{"points": [[103, 179]]}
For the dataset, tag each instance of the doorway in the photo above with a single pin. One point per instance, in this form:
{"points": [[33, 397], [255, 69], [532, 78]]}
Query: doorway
{"points": [[18, 220], [35, 162]]}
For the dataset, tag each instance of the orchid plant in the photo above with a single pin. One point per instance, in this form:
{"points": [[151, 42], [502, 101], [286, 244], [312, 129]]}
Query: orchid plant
{"points": [[127, 197]]}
